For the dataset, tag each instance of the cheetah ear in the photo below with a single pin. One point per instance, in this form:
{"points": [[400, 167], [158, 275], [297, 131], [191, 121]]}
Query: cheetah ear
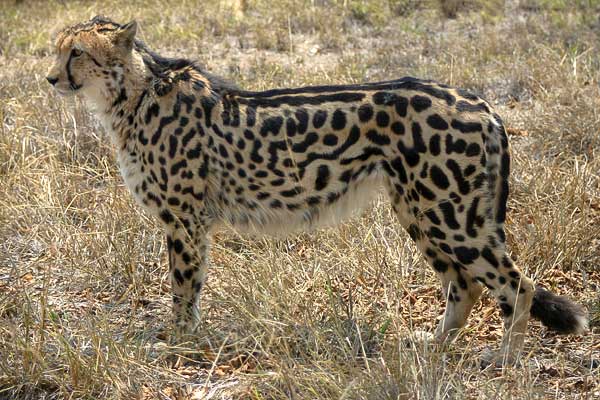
{"points": [[126, 35]]}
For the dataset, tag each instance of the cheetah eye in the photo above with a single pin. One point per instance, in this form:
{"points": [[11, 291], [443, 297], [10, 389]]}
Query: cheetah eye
{"points": [[76, 52]]}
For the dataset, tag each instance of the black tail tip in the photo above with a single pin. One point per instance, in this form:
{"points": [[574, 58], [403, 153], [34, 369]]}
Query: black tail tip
{"points": [[559, 313]]}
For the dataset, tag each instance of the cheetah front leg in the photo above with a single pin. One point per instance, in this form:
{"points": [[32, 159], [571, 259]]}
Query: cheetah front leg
{"points": [[188, 262]]}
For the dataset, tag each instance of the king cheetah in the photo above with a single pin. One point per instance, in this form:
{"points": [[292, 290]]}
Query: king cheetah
{"points": [[198, 152]]}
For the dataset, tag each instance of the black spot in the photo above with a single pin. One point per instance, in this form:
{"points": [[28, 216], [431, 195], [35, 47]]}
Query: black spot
{"points": [[398, 128], [178, 277], [466, 255], [172, 145], [414, 232], [223, 151], [271, 125], [378, 138], [434, 145], [319, 118], [466, 127], [302, 116], [514, 274], [338, 121], [250, 115], [437, 122], [432, 216], [467, 95], [459, 238], [333, 197], [424, 191], [291, 127], [152, 111], [254, 155], [382, 119], [445, 248], [436, 233], [503, 193], [401, 106], [178, 246], [471, 217], [330, 140], [461, 282], [440, 265], [463, 106], [188, 137], [507, 310], [390, 99], [384, 98], [323, 176], [365, 112], [410, 155], [449, 215], [173, 201], [473, 150], [438, 177], [470, 170], [313, 200], [263, 195], [455, 146], [488, 255], [420, 103], [292, 192], [301, 147], [463, 185], [166, 216]]}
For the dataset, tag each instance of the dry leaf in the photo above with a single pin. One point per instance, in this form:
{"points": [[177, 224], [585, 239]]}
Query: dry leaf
{"points": [[517, 132]]}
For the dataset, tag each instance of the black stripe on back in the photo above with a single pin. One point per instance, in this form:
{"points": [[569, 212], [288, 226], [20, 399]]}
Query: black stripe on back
{"points": [[382, 85], [343, 97], [406, 83]]}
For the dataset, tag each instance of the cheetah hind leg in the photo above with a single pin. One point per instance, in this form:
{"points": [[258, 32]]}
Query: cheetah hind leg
{"points": [[460, 291]]}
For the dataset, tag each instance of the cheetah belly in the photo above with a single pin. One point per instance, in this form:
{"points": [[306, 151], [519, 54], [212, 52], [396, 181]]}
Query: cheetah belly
{"points": [[282, 222]]}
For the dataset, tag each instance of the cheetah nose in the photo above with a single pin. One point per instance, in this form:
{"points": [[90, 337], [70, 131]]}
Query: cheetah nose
{"points": [[51, 80]]}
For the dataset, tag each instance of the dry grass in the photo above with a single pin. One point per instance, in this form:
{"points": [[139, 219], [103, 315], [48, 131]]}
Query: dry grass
{"points": [[84, 292]]}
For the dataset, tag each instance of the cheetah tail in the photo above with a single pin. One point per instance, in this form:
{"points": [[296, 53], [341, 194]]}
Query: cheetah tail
{"points": [[558, 313]]}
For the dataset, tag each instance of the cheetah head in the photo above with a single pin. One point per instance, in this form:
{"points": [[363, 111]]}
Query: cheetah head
{"points": [[92, 58]]}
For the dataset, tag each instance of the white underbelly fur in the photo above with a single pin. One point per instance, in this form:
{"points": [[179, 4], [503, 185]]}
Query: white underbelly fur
{"points": [[282, 222]]}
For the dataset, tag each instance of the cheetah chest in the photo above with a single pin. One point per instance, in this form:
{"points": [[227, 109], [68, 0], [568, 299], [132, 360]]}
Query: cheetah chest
{"points": [[130, 166]]}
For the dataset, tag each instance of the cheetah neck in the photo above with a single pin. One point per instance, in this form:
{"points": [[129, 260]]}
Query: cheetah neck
{"points": [[117, 103]]}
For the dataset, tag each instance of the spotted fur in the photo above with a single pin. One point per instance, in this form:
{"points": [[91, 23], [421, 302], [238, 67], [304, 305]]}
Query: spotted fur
{"points": [[198, 152]]}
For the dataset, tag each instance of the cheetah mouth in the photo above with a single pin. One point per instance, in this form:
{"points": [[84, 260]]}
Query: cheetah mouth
{"points": [[71, 90], [67, 88]]}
